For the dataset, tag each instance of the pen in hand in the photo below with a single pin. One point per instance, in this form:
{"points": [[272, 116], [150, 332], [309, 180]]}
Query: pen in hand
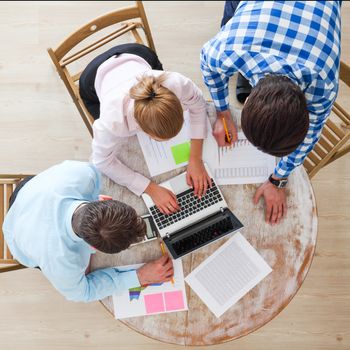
{"points": [[228, 135], [163, 252]]}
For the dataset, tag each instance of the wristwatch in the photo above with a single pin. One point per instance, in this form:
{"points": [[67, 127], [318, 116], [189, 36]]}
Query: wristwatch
{"points": [[278, 183]]}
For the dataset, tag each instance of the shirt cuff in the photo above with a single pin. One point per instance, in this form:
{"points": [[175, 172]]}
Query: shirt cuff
{"points": [[129, 279], [139, 184], [281, 173]]}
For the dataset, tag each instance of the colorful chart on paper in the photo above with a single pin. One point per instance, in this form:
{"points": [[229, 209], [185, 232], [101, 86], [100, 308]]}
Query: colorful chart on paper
{"points": [[134, 293], [153, 298]]}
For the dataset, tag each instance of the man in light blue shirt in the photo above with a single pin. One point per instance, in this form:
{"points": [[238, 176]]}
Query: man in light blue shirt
{"points": [[56, 222]]}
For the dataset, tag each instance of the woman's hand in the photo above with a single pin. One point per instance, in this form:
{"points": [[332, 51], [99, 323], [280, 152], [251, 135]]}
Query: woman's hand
{"points": [[197, 177], [163, 198]]}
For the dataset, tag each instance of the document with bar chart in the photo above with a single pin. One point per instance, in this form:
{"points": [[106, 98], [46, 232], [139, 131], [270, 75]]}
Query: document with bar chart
{"points": [[163, 156], [153, 298], [241, 164]]}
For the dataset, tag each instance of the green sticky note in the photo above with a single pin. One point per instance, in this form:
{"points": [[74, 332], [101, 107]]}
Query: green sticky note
{"points": [[181, 152]]}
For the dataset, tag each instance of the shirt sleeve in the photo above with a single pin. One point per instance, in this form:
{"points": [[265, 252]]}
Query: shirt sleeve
{"points": [[96, 285], [217, 66], [288, 163], [191, 99], [104, 157]]}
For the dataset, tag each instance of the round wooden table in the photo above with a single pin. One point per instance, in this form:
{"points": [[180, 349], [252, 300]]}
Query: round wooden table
{"points": [[288, 248]]}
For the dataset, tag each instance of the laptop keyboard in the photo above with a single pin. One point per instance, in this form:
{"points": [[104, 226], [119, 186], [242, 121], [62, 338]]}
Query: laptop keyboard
{"points": [[189, 204], [203, 237]]}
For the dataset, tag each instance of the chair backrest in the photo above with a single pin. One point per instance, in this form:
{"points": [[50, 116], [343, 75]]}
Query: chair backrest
{"points": [[7, 185], [62, 56], [335, 134]]}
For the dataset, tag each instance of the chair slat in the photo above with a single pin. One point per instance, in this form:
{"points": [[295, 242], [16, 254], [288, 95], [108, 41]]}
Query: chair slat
{"points": [[335, 129], [329, 136], [8, 261], [9, 191], [312, 155], [12, 268], [123, 26], [341, 113], [92, 27], [320, 152], [97, 44], [324, 143], [344, 73], [2, 215], [307, 164]]}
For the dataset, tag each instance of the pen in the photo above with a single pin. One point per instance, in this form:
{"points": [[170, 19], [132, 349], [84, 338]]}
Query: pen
{"points": [[228, 138], [163, 252]]}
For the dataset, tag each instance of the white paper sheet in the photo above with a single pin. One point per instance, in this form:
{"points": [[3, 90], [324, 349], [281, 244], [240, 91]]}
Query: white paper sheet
{"points": [[241, 164], [158, 154], [153, 299], [228, 274]]}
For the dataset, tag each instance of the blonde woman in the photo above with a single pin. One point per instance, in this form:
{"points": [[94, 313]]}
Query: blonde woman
{"points": [[126, 91]]}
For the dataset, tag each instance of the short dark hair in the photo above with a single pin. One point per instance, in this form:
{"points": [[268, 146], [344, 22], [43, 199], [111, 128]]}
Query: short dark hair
{"points": [[275, 118], [109, 226]]}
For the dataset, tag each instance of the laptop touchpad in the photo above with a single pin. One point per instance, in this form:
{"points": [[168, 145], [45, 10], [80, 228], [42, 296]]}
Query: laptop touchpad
{"points": [[178, 183]]}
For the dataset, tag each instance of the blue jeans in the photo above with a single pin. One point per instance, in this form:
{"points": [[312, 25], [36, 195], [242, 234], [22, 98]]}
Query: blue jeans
{"points": [[230, 8]]}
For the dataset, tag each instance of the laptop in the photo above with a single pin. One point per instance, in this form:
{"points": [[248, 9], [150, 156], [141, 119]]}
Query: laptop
{"points": [[198, 223]]}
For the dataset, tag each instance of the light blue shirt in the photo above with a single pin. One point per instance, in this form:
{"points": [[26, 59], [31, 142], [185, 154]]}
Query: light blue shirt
{"points": [[38, 231]]}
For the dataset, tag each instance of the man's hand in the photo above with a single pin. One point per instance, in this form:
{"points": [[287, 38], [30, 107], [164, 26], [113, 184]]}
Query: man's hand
{"points": [[197, 177], [163, 198], [156, 271], [219, 129], [275, 202]]}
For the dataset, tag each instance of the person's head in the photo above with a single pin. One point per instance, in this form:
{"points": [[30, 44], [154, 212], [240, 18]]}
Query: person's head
{"points": [[109, 226], [157, 109], [275, 118]]}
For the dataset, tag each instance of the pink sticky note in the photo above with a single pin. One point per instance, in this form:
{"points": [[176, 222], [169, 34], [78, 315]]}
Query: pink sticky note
{"points": [[174, 300], [154, 303]]}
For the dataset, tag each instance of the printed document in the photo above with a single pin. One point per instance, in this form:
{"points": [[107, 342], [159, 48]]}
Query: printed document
{"points": [[241, 164], [153, 298], [228, 274]]}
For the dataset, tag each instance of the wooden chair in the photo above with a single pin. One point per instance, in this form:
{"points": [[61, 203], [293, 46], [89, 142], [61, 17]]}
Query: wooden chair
{"points": [[333, 143], [7, 185], [62, 60]]}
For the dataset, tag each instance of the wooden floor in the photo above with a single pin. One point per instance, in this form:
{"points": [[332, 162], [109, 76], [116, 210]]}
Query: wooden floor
{"points": [[39, 127]]}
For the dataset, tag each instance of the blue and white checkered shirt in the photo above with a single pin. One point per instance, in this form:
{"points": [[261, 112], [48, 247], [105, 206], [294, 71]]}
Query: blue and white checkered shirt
{"points": [[297, 39]]}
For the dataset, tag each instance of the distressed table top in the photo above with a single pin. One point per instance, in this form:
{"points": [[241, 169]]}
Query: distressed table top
{"points": [[288, 248]]}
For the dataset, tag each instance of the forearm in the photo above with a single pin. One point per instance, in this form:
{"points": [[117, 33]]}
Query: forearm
{"points": [[196, 149], [100, 284]]}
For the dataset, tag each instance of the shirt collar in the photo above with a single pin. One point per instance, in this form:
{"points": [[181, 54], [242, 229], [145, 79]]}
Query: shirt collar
{"points": [[254, 79], [69, 216], [71, 233]]}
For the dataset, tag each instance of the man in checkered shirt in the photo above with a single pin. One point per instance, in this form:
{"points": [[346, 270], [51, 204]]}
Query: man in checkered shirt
{"points": [[289, 51]]}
